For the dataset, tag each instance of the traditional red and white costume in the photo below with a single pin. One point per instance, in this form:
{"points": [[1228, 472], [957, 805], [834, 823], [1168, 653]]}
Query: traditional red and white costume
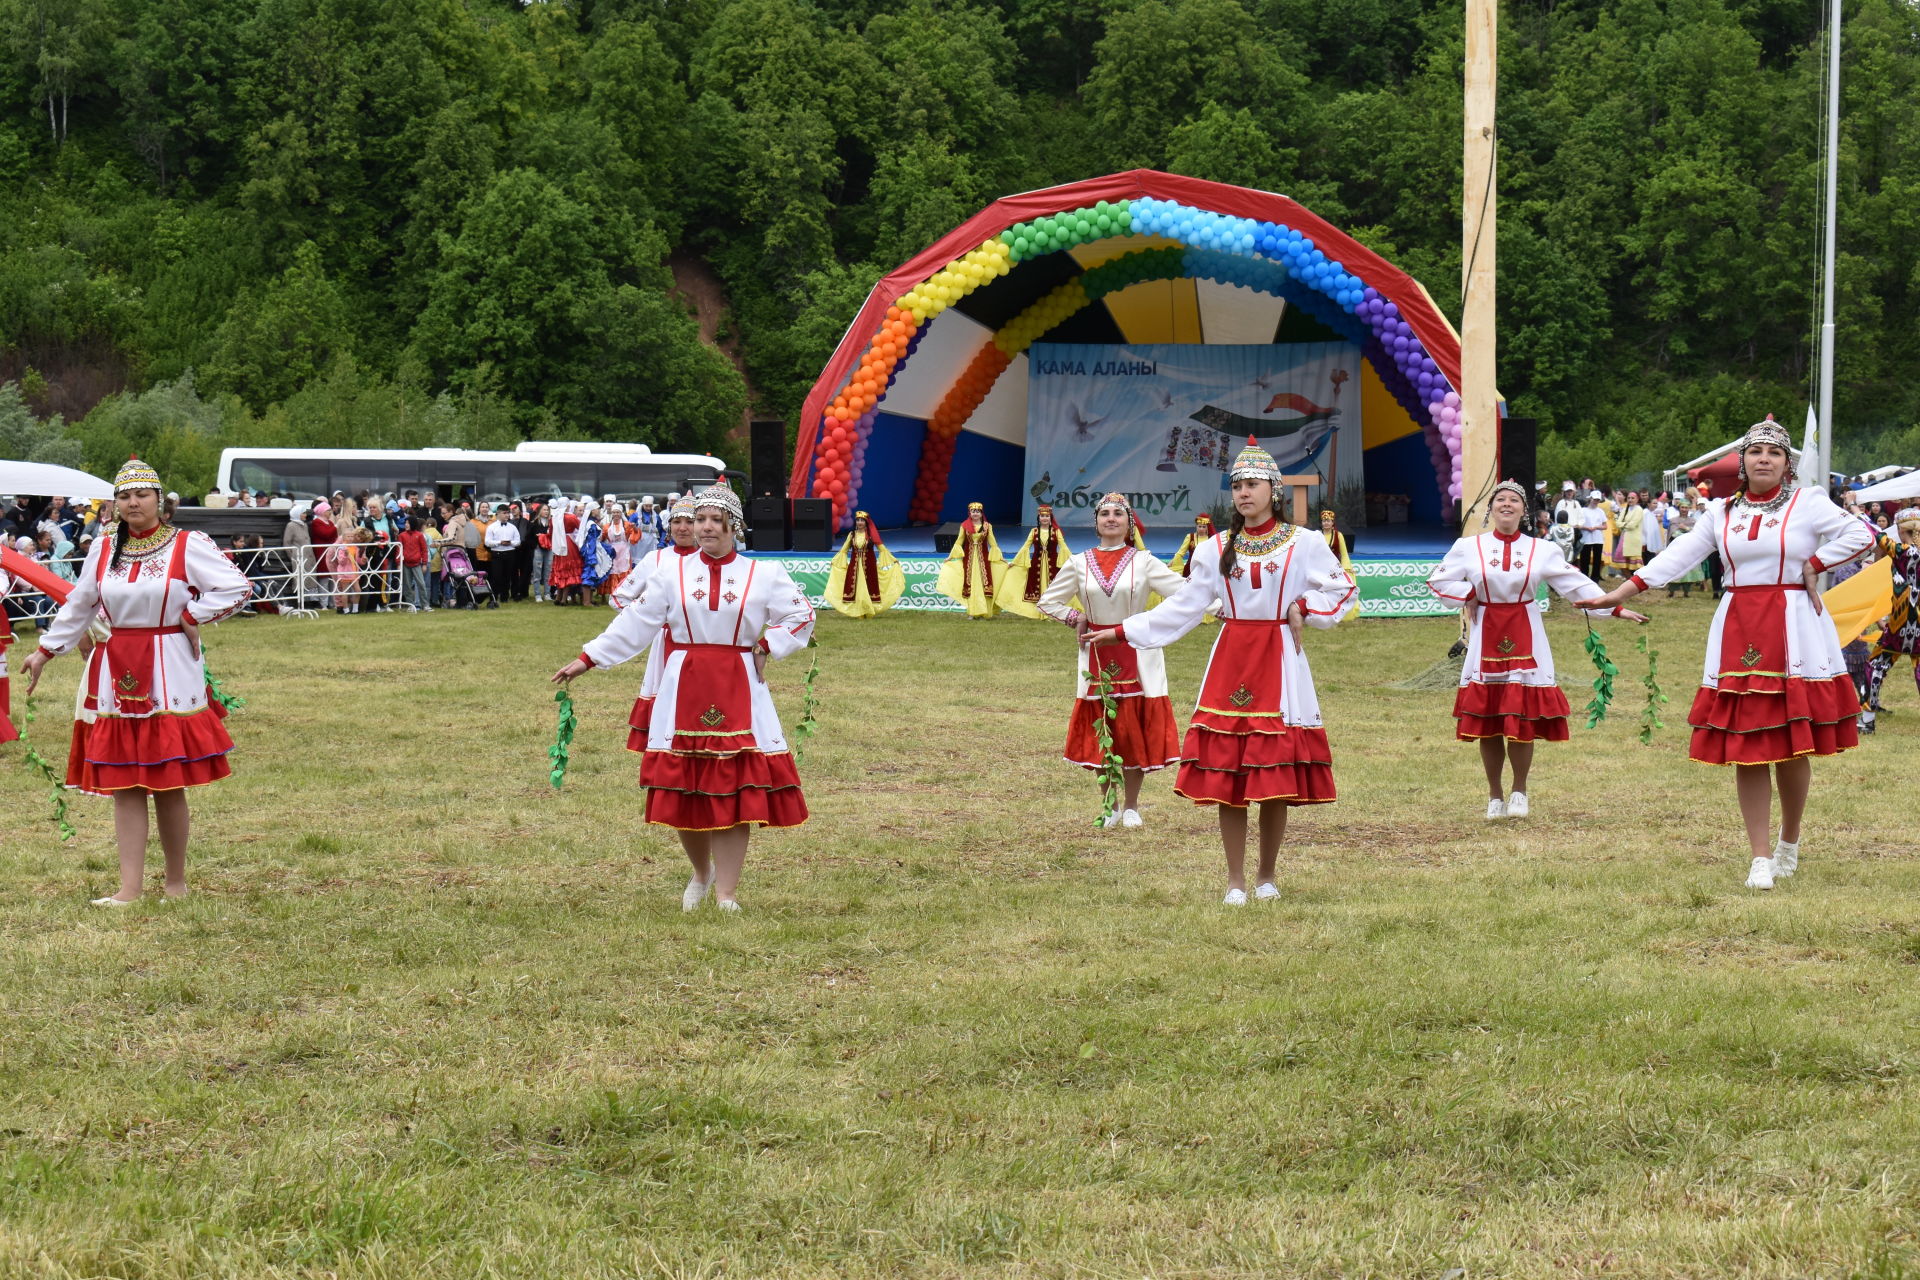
{"points": [[7, 732], [633, 589], [713, 754], [1507, 687], [1775, 684], [1111, 587], [146, 720], [1256, 733]]}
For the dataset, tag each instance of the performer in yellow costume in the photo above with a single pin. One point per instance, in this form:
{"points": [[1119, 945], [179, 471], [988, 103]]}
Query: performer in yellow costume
{"points": [[864, 580], [1341, 545], [974, 567], [1033, 570], [1202, 530]]}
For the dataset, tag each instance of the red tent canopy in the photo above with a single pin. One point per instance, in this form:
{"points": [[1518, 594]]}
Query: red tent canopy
{"points": [[1722, 476]]}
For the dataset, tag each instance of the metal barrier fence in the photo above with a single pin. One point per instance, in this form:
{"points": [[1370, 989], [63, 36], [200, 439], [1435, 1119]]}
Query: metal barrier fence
{"points": [[301, 582]]}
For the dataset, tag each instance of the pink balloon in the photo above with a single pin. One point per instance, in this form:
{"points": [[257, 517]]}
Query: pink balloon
{"points": [[1452, 399]]}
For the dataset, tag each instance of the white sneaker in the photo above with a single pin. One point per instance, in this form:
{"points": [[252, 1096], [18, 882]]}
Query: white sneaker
{"points": [[1496, 809], [1234, 898], [127, 902], [1112, 820], [1786, 859], [1266, 891], [726, 904], [696, 893], [1760, 875], [1131, 818], [1517, 805]]}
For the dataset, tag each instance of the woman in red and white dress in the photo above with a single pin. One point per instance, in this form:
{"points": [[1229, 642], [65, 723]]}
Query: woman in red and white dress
{"points": [[634, 588], [1256, 735], [1113, 581], [1775, 690], [1508, 699], [147, 727], [714, 762]]}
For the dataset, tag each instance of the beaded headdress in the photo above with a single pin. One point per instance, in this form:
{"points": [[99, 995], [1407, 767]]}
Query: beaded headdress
{"points": [[1770, 432], [135, 474], [681, 508], [1255, 463], [721, 497], [1513, 487], [1329, 515], [1114, 499]]}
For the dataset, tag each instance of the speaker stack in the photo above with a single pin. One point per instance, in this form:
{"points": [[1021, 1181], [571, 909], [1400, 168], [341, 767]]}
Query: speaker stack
{"points": [[767, 524], [812, 524], [767, 447], [1519, 445]]}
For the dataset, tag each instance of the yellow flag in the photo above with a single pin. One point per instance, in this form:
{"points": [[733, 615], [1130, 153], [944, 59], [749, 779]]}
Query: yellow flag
{"points": [[1860, 601]]}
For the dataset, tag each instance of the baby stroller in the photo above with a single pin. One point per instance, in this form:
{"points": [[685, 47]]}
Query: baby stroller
{"points": [[465, 585]]}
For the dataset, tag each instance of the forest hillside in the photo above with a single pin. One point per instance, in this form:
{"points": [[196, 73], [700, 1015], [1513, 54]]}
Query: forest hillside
{"points": [[459, 222]]}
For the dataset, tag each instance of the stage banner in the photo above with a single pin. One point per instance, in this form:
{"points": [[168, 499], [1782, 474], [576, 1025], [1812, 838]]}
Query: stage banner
{"points": [[1388, 588], [1398, 589], [810, 572], [1161, 422]]}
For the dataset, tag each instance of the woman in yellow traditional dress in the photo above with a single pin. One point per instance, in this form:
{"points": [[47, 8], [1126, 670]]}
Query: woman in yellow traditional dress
{"points": [[864, 580], [1033, 570], [974, 567], [1182, 562]]}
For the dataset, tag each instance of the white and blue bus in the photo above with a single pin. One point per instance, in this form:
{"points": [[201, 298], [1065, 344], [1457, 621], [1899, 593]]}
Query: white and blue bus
{"points": [[536, 468]]}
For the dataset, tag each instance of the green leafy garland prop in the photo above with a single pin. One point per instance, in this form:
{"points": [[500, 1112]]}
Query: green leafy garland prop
{"points": [[38, 764], [1603, 683], [218, 692], [1650, 716], [809, 724], [562, 738], [1110, 775]]}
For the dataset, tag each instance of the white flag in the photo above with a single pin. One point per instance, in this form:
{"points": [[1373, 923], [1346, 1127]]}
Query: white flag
{"points": [[1810, 454]]}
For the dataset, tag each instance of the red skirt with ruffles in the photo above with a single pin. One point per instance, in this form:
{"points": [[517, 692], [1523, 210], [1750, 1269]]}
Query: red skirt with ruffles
{"points": [[158, 753], [700, 792], [1248, 766], [1145, 734], [1516, 712], [1765, 719], [637, 724], [7, 732]]}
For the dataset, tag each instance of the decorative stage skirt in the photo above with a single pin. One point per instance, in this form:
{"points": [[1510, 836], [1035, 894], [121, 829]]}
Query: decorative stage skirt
{"points": [[714, 774], [1145, 734], [1759, 714], [159, 752], [1239, 750], [1516, 712]]}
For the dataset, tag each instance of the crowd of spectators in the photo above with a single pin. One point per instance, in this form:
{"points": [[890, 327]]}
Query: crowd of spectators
{"points": [[376, 552]]}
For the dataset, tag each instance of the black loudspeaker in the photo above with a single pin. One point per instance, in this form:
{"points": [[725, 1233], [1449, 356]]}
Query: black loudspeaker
{"points": [[945, 536], [767, 524], [812, 524], [1519, 440], [768, 451]]}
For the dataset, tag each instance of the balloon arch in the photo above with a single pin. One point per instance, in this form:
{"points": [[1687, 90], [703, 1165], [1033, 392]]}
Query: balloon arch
{"points": [[1004, 269]]}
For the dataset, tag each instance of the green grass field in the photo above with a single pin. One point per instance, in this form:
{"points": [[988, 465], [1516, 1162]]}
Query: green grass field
{"points": [[427, 1017]]}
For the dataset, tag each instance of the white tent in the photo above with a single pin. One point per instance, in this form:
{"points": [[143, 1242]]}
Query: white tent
{"points": [[1906, 486], [44, 480]]}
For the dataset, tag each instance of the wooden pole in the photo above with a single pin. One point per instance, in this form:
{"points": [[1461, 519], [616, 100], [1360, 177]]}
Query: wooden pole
{"points": [[1479, 414]]}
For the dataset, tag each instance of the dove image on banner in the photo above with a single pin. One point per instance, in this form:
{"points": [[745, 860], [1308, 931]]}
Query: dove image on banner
{"points": [[1162, 422]]}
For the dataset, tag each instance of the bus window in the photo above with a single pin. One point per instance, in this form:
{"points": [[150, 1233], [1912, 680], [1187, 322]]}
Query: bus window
{"points": [[550, 479], [298, 478]]}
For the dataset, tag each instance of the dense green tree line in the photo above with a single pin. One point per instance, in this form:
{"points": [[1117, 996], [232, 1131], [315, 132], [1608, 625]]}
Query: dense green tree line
{"points": [[453, 221]]}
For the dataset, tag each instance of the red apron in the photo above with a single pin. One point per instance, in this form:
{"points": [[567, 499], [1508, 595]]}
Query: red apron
{"points": [[1506, 638]]}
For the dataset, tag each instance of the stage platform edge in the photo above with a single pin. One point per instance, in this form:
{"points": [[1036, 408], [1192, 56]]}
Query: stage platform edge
{"points": [[1392, 571]]}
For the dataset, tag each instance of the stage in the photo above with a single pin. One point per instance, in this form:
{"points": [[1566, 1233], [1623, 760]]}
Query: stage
{"points": [[1389, 542], [1391, 564]]}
